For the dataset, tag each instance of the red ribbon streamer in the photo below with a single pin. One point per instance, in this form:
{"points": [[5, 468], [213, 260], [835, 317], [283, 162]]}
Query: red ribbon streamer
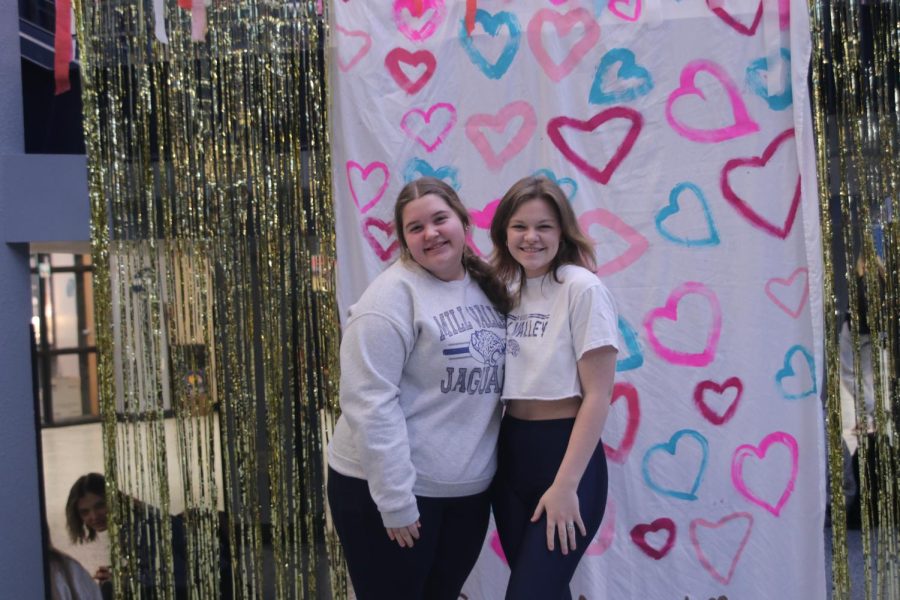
{"points": [[62, 46]]}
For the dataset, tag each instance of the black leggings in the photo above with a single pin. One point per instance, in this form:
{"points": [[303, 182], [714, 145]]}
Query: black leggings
{"points": [[436, 567], [530, 453]]}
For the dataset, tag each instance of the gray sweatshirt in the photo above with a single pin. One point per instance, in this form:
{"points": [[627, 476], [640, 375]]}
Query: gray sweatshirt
{"points": [[422, 364]]}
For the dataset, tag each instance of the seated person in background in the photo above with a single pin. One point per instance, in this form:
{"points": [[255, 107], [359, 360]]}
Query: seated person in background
{"points": [[87, 514]]}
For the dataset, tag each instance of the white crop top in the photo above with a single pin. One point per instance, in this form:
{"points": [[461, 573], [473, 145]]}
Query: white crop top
{"points": [[551, 328]]}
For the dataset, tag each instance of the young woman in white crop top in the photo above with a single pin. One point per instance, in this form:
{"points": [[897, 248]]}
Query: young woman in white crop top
{"points": [[414, 451], [550, 490]]}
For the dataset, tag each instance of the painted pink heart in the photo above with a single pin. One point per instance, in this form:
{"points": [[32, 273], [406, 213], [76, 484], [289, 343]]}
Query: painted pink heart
{"points": [[497, 547], [743, 208], [639, 537], [743, 124], [365, 172], [383, 252], [784, 14], [747, 451], [669, 312], [632, 14], [630, 394], [563, 25], [717, 546], [476, 124], [345, 66], [416, 123], [607, 532], [637, 243], [731, 21], [557, 124], [401, 55], [719, 417], [777, 286], [418, 9]]}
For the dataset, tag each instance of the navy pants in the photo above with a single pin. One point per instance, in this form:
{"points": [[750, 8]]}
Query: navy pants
{"points": [[436, 567], [530, 453]]}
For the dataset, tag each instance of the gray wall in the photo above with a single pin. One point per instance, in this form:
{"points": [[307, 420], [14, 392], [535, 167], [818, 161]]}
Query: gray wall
{"points": [[42, 198]]}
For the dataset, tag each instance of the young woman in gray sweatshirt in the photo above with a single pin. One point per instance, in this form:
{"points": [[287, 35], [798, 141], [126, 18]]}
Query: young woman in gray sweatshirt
{"points": [[422, 365]]}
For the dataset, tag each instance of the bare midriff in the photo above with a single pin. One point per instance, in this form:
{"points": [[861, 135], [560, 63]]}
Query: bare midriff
{"points": [[544, 410]]}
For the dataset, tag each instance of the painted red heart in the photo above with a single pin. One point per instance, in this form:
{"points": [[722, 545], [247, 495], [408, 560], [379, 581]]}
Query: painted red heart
{"points": [[639, 537], [401, 55], [556, 124], [741, 205], [708, 413], [728, 18], [629, 392], [383, 252]]}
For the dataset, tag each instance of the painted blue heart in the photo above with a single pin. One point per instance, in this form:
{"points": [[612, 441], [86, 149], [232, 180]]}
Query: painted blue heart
{"points": [[788, 371], [562, 182], [670, 448], [417, 167], [636, 78], [759, 84], [674, 207], [635, 357], [492, 25]]}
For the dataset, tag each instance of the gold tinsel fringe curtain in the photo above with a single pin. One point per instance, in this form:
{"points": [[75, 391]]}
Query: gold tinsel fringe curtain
{"points": [[856, 90], [211, 199]]}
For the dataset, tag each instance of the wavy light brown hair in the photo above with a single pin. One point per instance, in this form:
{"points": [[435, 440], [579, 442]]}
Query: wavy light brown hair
{"points": [[575, 248], [479, 270]]}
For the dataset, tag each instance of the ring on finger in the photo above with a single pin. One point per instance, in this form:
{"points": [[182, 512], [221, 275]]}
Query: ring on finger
{"points": [[570, 526]]}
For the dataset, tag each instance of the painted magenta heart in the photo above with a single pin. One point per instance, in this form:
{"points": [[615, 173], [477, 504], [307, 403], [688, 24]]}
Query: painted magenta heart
{"points": [[742, 123], [384, 252], [731, 21], [497, 547], [746, 451], [630, 9], [669, 312], [777, 289], [372, 199], [718, 417], [563, 24], [476, 124], [637, 243], [397, 56], [418, 125], [629, 393], [418, 9], [343, 65], [607, 532], [639, 537], [482, 218], [557, 124], [744, 209], [723, 541]]}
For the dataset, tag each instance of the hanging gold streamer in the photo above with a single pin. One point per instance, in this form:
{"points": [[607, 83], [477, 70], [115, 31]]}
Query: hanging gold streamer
{"points": [[209, 174], [856, 91]]}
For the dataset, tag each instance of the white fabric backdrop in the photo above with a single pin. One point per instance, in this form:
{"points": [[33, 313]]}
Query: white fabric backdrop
{"points": [[681, 131]]}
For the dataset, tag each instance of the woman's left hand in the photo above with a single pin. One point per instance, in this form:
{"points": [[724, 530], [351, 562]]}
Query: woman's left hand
{"points": [[563, 516]]}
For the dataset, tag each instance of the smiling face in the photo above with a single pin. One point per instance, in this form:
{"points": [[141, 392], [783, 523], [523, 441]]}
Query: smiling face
{"points": [[435, 236], [93, 511], [532, 236]]}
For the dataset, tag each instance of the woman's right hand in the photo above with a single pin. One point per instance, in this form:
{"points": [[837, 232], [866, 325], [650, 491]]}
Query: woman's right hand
{"points": [[404, 536]]}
